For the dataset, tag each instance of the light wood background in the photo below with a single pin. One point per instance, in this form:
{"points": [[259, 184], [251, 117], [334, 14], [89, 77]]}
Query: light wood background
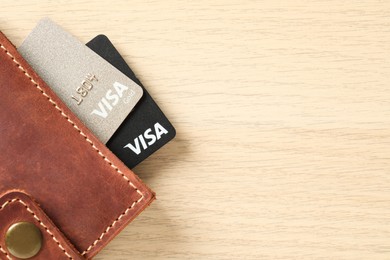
{"points": [[282, 114]]}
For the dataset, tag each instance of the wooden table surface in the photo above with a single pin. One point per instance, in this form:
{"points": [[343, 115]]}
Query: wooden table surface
{"points": [[282, 115]]}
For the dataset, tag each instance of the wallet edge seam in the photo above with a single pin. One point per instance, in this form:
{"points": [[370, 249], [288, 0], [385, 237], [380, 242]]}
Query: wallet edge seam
{"points": [[92, 145]]}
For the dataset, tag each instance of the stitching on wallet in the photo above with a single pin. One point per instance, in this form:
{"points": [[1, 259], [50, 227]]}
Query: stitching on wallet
{"points": [[40, 223], [92, 145]]}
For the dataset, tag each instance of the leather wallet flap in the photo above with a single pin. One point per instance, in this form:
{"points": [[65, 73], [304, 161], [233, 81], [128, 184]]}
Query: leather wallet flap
{"points": [[17, 208], [47, 152]]}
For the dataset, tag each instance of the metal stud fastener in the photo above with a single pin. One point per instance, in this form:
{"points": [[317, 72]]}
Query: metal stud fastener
{"points": [[23, 240]]}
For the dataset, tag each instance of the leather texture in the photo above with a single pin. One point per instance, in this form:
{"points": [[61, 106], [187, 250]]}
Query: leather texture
{"points": [[88, 193], [17, 207]]}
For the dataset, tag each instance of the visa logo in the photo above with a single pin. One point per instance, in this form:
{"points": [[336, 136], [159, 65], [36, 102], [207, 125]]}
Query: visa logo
{"points": [[148, 138], [110, 100]]}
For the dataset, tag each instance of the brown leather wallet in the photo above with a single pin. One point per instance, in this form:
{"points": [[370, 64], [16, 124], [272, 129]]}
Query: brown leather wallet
{"points": [[84, 195]]}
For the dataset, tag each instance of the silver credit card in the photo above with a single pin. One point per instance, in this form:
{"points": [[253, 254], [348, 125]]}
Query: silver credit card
{"points": [[99, 94]]}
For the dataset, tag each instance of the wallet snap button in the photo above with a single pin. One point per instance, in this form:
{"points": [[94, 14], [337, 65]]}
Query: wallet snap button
{"points": [[23, 240]]}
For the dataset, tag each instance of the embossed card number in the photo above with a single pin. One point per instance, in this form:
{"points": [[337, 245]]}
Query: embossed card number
{"points": [[82, 90]]}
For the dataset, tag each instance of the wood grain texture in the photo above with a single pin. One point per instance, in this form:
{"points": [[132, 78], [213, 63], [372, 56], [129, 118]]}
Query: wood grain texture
{"points": [[282, 112]]}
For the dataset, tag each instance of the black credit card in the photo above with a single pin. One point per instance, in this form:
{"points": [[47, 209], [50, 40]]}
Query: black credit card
{"points": [[146, 129]]}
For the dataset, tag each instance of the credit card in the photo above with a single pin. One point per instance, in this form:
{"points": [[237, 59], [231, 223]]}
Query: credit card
{"points": [[98, 93], [146, 129]]}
